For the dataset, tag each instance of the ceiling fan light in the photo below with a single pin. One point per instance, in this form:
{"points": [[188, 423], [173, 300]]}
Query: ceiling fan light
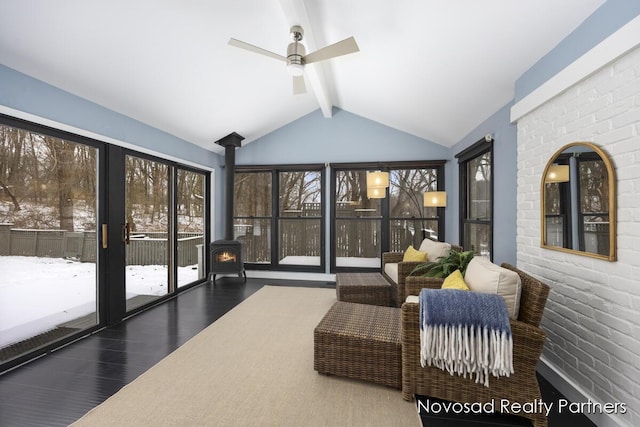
{"points": [[295, 70]]}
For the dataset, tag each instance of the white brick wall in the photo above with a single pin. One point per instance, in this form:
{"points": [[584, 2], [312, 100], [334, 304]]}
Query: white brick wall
{"points": [[593, 314]]}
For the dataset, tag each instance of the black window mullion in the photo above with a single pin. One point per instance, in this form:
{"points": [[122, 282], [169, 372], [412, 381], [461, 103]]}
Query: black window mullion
{"points": [[275, 215]]}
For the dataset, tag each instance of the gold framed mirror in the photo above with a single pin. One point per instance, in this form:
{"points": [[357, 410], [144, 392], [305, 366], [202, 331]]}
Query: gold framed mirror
{"points": [[578, 202]]}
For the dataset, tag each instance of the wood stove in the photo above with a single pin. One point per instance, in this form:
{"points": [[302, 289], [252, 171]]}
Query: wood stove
{"points": [[226, 254], [226, 257]]}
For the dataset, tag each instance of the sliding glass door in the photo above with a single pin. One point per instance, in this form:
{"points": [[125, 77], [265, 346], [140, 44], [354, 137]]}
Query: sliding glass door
{"points": [[147, 233], [49, 237], [82, 246], [191, 221]]}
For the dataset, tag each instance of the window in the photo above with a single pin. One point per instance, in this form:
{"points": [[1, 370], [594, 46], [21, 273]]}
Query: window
{"points": [[357, 241], [409, 221], [299, 217], [279, 216], [252, 215], [363, 228], [476, 197]]}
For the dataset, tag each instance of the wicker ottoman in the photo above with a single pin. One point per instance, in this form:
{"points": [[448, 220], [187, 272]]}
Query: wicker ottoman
{"points": [[364, 288], [360, 341]]}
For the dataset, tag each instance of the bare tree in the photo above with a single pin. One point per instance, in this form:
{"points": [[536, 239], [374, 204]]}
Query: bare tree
{"points": [[62, 157]]}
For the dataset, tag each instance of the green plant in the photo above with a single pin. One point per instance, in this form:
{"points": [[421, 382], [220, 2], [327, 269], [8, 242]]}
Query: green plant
{"points": [[445, 265]]}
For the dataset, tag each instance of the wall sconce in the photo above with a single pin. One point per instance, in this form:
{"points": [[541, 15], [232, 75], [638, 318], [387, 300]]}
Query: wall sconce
{"points": [[558, 173], [435, 199], [376, 192], [377, 179]]}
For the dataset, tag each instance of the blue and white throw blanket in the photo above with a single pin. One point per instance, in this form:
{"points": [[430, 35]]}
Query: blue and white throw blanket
{"points": [[465, 332]]}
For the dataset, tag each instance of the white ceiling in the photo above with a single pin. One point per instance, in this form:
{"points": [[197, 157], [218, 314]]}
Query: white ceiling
{"points": [[432, 68]]}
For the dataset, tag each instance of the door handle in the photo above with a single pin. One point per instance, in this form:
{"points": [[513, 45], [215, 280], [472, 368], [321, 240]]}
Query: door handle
{"points": [[127, 233], [104, 236]]}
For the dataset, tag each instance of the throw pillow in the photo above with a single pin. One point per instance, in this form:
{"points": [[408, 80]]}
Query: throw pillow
{"points": [[434, 249], [413, 255], [484, 276], [455, 281]]}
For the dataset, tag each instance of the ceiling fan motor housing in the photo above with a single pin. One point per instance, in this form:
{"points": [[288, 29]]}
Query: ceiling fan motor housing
{"points": [[296, 52]]}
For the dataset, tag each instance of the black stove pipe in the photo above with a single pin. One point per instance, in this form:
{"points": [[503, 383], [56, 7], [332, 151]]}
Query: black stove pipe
{"points": [[230, 143]]}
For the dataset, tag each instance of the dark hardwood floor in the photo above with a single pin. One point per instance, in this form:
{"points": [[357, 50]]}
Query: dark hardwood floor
{"points": [[60, 387]]}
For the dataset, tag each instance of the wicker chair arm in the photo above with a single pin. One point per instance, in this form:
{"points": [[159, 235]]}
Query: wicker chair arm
{"points": [[528, 341], [388, 257], [413, 284]]}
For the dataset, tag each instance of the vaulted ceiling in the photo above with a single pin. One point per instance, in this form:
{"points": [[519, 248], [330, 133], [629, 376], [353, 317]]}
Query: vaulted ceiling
{"points": [[432, 68]]}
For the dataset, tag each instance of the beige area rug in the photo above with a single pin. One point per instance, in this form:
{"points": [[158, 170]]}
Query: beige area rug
{"points": [[254, 367]]}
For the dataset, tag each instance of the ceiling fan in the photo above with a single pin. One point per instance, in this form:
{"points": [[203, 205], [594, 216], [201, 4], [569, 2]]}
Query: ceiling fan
{"points": [[296, 57]]}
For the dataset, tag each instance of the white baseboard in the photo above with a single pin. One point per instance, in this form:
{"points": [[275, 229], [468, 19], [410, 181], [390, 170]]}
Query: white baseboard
{"points": [[575, 393]]}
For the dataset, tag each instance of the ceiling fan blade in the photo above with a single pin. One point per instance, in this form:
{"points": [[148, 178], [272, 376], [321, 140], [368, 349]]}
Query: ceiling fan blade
{"points": [[343, 47], [255, 49], [298, 85]]}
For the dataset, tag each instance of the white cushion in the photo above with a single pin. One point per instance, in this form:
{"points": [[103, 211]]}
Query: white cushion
{"points": [[413, 299], [434, 249], [484, 276], [391, 270]]}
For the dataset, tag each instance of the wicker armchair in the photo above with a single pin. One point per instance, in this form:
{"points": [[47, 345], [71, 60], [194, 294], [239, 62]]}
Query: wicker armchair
{"points": [[404, 269], [528, 340]]}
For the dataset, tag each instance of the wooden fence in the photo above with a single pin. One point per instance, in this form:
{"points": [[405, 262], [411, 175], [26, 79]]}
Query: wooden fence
{"points": [[355, 238], [143, 249]]}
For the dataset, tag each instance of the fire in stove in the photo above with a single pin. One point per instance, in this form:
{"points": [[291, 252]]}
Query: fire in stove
{"points": [[226, 257]]}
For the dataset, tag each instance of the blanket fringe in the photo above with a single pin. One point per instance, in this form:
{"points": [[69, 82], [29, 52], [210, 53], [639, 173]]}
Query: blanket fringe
{"points": [[466, 350]]}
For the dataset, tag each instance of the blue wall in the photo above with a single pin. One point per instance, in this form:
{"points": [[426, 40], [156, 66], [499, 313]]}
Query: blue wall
{"points": [[345, 137], [609, 17], [29, 95]]}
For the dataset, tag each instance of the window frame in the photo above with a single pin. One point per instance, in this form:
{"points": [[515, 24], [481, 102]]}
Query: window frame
{"points": [[478, 149], [275, 216], [384, 218]]}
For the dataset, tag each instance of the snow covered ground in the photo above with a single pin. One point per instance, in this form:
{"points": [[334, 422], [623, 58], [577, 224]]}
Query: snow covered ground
{"points": [[36, 293]]}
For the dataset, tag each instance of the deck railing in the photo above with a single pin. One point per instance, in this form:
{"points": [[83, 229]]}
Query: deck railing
{"points": [[356, 238], [143, 249]]}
